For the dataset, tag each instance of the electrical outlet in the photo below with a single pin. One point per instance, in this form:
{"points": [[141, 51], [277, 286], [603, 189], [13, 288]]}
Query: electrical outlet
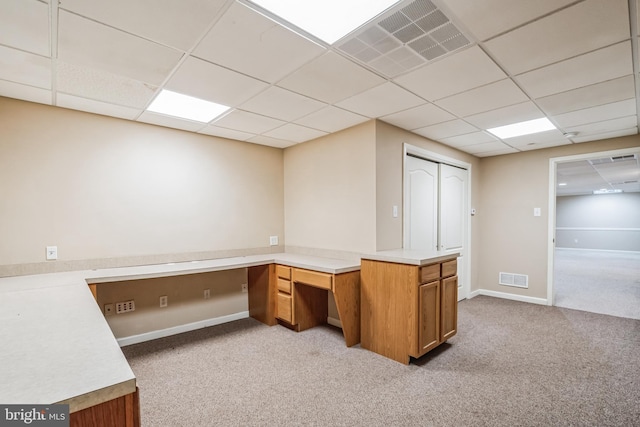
{"points": [[52, 252], [207, 293], [273, 240], [164, 301], [245, 287], [125, 306], [108, 309]]}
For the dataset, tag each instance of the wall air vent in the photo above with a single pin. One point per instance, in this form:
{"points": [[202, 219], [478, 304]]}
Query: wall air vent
{"points": [[512, 279], [404, 38]]}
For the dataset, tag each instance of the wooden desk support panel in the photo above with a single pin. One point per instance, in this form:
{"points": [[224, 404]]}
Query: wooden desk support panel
{"points": [[407, 310], [123, 411]]}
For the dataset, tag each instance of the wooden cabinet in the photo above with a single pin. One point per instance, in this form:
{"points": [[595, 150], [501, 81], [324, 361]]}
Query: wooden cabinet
{"points": [[408, 310]]}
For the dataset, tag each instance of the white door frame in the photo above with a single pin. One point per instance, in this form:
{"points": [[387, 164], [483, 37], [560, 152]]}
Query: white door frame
{"points": [[432, 156], [551, 232]]}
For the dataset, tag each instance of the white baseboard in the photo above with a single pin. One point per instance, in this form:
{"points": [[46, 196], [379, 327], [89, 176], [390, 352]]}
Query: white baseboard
{"points": [[334, 322], [148, 336], [505, 295]]}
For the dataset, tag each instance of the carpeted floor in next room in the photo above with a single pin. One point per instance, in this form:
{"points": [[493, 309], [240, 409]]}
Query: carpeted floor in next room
{"points": [[511, 364]]}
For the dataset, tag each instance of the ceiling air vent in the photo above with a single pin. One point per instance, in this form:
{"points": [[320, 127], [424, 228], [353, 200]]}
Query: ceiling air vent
{"points": [[623, 158], [406, 37]]}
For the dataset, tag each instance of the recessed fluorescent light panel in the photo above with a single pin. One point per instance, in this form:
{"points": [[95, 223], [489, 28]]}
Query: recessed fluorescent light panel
{"points": [[522, 128], [186, 107], [328, 20], [606, 191]]}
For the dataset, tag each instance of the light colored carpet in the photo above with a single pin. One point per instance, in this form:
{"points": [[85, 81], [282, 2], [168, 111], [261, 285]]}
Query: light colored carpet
{"points": [[511, 364], [598, 281]]}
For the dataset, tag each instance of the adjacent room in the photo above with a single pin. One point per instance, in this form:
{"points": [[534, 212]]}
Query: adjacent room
{"points": [[259, 212]]}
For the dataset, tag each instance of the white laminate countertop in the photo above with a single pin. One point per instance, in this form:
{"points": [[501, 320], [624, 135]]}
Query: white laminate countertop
{"points": [[411, 257], [58, 348]]}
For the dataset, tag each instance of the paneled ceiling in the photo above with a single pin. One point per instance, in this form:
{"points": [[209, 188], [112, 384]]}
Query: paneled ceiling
{"points": [[613, 173], [444, 69]]}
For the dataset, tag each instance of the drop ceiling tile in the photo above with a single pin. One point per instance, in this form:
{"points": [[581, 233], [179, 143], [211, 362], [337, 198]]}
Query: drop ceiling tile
{"points": [[606, 135], [226, 133], [179, 24], [506, 115], [589, 96], [170, 122], [271, 142], [111, 50], [594, 67], [418, 117], [541, 145], [446, 129], [248, 42], [488, 18], [282, 104], [204, 80], [26, 93], [331, 119], [26, 68], [453, 74], [485, 98], [486, 149], [468, 139], [604, 126], [295, 133], [25, 25], [584, 27], [382, 100], [246, 121], [595, 114], [331, 78], [97, 107], [535, 140], [102, 86]]}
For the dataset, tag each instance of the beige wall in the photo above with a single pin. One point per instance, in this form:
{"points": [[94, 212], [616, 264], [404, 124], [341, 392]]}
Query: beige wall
{"points": [[186, 303], [110, 189], [512, 240], [329, 200]]}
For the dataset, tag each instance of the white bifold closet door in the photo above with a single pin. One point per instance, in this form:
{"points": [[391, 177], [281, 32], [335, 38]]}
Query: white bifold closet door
{"points": [[435, 209]]}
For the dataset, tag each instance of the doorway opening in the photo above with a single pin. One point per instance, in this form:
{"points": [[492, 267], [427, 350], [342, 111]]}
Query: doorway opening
{"points": [[594, 232]]}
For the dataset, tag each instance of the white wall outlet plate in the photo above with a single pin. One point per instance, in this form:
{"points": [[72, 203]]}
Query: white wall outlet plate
{"points": [[273, 240], [109, 309], [52, 252]]}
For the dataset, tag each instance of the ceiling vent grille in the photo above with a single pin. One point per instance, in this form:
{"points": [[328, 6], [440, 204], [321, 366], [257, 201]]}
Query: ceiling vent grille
{"points": [[405, 38], [512, 279]]}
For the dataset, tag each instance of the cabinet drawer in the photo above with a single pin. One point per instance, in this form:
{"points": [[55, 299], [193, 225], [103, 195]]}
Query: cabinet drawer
{"points": [[285, 311], [284, 285], [449, 268], [313, 278], [429, 273], [284, 272]]}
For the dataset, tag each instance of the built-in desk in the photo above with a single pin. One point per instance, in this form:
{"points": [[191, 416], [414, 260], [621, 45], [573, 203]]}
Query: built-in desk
{"points": [[58, 348]]}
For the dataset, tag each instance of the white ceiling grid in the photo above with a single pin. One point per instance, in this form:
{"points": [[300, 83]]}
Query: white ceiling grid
{"points": [[444, 69]]}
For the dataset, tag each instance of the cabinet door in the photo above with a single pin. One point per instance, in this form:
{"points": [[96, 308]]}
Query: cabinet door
{"points": [[449, 307], [429, 316]]}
